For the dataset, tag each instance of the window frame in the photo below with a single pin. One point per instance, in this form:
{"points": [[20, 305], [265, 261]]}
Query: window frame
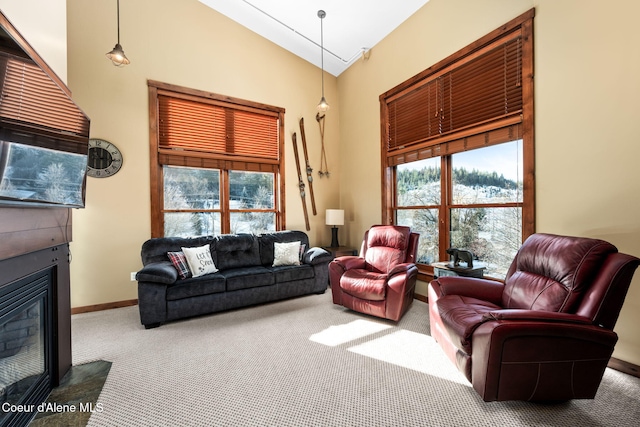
{"points": [[199, 158], [518, 125]]}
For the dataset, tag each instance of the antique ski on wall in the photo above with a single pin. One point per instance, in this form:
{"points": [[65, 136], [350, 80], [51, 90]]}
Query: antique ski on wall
{"points": [[323, 156], [300, 182], [308, 166]]}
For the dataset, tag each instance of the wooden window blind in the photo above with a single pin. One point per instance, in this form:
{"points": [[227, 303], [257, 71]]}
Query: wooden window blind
{"points": [[29, 97], [186, 125], [478, 92]]}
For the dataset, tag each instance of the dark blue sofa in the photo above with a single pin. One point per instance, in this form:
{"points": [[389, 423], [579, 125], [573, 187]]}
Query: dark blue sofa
{"points": [[245, 277]]}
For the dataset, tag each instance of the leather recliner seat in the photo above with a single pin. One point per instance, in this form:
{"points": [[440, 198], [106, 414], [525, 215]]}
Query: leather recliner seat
{"points": [[381, 280], [546, 333]]}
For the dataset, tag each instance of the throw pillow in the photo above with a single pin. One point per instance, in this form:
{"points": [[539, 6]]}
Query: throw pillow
{"points": [[303, 248], [286, 254], [199, 260], [180, 263]]}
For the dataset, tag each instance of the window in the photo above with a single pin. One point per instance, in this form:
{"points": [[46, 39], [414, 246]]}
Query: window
{"points": [[458, 150], [216, 164], [485, 210]]}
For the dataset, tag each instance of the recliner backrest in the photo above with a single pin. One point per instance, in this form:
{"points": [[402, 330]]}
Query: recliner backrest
{"points": [[412, 249], [385, 246], [551, 272], [603, 302]]}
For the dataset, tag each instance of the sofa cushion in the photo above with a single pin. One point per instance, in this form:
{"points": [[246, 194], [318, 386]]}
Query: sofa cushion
{"points": [[364, 284], [236, 251], [248, 277], [155, 250], [317, 256], [196, 286], [199, 260], [267, 240], [286, 253], [288, 273], [461, 316], [179, 261]]}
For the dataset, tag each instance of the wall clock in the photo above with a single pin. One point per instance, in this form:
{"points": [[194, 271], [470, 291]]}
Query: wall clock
{"points": [[104, 158]]}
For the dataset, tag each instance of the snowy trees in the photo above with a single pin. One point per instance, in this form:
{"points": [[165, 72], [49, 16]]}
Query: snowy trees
{"points": [[484, 215], [193, 207]]}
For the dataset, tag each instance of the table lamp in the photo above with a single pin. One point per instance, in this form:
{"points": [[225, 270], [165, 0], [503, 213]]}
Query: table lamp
{"points": [[334, 217]]}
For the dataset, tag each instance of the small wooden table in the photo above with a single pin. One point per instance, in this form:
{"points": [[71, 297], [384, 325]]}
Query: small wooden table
{"points": [[447, 269], [340, 251]]}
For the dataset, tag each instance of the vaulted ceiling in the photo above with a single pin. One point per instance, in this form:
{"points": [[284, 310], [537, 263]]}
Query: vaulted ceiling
{"points": [[350, 27]]}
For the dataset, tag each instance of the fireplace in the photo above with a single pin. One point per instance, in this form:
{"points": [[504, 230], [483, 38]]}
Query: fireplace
{"points": [[34, 331], [25, 345], [37, 116]]}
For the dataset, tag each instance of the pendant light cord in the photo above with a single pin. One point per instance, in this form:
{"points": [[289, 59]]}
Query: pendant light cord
{"points": [[118, 8], [321, 48]]}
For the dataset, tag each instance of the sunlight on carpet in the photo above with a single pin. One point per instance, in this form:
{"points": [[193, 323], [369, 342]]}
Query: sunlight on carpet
{"points": [[340, 334], [399, 347], [409, 350]]}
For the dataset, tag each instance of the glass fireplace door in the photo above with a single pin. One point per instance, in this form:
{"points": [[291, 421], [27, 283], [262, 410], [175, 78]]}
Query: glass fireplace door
{"points": [[24, 346]]}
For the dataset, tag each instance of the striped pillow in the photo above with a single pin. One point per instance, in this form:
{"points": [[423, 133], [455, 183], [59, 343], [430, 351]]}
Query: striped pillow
{"points": [[179, 261]]}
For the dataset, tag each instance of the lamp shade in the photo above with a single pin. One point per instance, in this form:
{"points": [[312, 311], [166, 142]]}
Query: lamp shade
{"points": [[117, 56], [334, 217]]}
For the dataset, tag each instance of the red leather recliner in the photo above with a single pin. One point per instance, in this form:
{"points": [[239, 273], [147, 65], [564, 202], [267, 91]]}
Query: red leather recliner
{"points": [[546, 334], [382, 280]]}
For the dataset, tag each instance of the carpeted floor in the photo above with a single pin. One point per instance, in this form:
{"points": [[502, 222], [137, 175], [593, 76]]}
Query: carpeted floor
{"points": [[305, 362]]}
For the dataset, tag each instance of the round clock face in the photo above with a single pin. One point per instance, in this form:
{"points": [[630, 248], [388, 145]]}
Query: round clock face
{"points": [[104, 158]]}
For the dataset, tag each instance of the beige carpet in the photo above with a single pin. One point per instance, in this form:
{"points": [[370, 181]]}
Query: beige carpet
{"points": [[306, 362]]}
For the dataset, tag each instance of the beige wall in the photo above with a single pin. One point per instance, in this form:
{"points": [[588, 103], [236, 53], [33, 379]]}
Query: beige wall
{"points": [[44, 24], [207, 52], [587, 132], [586, 118]]}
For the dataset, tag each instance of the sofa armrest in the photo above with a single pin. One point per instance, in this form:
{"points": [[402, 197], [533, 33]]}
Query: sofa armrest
{"points": [[152, 303], [316, 255], [158, 272], [483, 289], [545, 316]]}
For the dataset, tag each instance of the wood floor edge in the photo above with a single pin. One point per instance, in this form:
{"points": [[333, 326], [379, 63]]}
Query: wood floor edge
{"points": [[106, 306], [624, 367], [419, 297]]}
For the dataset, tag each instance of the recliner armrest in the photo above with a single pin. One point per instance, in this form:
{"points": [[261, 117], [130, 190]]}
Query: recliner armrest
{"points": [[402, 268], [349, 262], [516, 314], [483, 289]]}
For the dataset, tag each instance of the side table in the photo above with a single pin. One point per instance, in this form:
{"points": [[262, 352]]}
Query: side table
{"points": [[338, 251], [446, 269]]}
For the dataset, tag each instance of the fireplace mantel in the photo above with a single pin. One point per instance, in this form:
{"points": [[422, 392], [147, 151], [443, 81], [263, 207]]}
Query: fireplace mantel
{"points": [[24, 230]]}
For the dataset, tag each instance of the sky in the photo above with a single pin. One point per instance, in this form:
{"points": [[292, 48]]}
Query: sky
{"points": [[505, 159]]}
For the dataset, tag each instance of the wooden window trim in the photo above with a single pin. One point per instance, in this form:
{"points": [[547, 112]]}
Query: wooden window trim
{"points": [[518, 123], [223, 161]]}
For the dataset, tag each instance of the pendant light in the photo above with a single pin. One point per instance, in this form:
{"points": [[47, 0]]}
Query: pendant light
{"points": [[117, 55], [323, 106]]}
